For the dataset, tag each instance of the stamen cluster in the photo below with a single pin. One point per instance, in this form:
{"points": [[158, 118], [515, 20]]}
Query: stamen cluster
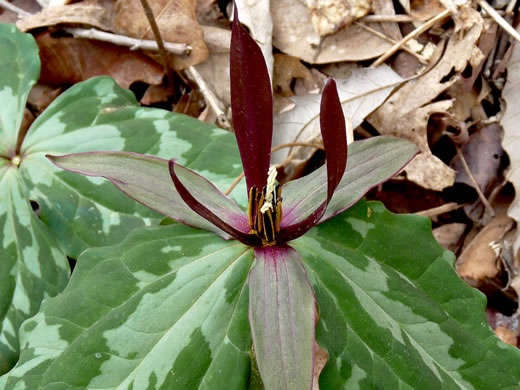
{"points": [[265, 210]]}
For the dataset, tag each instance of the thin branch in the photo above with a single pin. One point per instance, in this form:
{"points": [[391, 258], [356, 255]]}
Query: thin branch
{"points": [[475, 184], [350, 131], [499, 19], [389, 18], [13, 8], [420, 57], [209, 96], [445, 208], [132, 43], [235, 183], [157, 34], [510, 7], [291, 144], [418, 31]]}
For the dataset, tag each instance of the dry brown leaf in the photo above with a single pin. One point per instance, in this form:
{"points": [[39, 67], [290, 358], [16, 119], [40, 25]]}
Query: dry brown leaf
{"points": [[360, 94], [328, 16], [41, 96], [215, 70], [483, 154], [320, 359], [256, 15], [294, 34], [425, 9], [156, 94], [407, 112], [506, 335], [391, 29], [286, 69], [478, 261], [78, 14], [511, 141], [449, 235], [9, 17], [176, 21], [71, 60]]}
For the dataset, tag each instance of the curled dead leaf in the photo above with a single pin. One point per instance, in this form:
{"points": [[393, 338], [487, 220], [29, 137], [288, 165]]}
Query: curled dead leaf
{"points": [[478, 261], [71, 60], [407, 112], [286, 69]]}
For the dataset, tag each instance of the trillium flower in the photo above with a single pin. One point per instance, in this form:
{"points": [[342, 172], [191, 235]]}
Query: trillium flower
{"points": [[282, 309], [270, 221]]}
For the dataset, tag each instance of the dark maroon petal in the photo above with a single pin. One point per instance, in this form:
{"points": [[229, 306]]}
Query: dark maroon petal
{"points": [[210, 215], [333, 132], [251, 104]]}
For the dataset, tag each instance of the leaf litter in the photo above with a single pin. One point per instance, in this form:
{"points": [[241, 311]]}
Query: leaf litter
{"points": [[455, 98]]}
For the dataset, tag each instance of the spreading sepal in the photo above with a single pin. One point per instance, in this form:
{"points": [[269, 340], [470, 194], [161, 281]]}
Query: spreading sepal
{"points": [[208, 202], [370, 163]]}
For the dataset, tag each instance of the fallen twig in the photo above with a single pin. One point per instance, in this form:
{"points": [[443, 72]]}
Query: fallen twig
{"points": [[291, 144], [418, 31], [499, 19], [13, 8], [157, 34], [132, 43], [209, 96], [420, 57], [445, 208], [481, 196]]}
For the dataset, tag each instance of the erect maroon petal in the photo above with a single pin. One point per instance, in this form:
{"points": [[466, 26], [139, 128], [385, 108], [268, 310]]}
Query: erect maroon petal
{"points": [[333, 132], [235, 231], [251, 104]]}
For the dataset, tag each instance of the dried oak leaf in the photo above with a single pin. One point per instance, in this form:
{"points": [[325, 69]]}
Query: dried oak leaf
{"points": [[176, 20], [215, 70], [71, 60], [83, 14], [511, 141], [478, 261], [286, 69], [328, 16], [407, 112], [294, 34]]}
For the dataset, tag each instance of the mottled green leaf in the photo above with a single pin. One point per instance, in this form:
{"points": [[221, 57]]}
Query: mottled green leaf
{"points": [[282, 315], [20, 68], [31, 265], [80, 212], [165, 309], [99, 115], [393, 312]]}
